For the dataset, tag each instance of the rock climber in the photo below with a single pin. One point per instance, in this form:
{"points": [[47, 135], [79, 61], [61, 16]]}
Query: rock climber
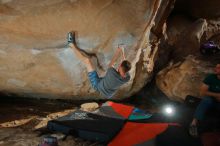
{"points": [[113, 79]]}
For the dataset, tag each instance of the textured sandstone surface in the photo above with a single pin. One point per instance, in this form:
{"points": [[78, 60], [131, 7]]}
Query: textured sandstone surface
{"points": [[183, 78], [34, 58]]}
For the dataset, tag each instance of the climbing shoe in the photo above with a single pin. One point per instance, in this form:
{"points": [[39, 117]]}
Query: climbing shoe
{"points": [[193, 130], [71, 37]]}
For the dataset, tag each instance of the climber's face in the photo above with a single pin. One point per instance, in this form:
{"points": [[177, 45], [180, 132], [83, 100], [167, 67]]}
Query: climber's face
{"points": [[121, 71]]}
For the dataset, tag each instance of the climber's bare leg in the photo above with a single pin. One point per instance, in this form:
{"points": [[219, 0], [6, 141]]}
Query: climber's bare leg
{"points": [[83, 57]]}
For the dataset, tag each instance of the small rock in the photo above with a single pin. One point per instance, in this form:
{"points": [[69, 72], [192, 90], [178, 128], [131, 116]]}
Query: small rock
{"points": [[89, 106]]}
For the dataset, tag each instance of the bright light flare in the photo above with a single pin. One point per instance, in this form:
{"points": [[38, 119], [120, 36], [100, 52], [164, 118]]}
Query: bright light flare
{"points": [[168, 110]]}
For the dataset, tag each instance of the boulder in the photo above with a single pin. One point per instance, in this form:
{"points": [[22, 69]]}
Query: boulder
{"points": [[36, 62], [183, 78]]}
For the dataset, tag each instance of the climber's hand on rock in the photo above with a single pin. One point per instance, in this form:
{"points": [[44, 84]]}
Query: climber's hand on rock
{"points": [[122, 49]]}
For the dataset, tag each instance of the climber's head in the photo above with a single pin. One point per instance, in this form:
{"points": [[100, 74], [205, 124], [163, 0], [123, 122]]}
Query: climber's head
{"points": [[124, 67]]}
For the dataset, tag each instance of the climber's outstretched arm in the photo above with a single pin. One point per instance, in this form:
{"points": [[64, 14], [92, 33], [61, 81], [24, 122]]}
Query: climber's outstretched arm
{"points": [[115, 57], [119, 50], [123, 54]]}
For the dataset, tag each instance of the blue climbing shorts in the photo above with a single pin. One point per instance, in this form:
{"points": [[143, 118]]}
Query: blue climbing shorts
{"points": [[94, 79]]}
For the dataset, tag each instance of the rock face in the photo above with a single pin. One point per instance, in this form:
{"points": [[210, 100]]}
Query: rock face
{"points": [[34, 58], [183, 78], [190, 39], [184, 37]]}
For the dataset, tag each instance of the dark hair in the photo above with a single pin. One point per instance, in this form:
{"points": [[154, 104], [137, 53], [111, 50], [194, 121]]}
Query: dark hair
{"points": [[126, 65]]}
